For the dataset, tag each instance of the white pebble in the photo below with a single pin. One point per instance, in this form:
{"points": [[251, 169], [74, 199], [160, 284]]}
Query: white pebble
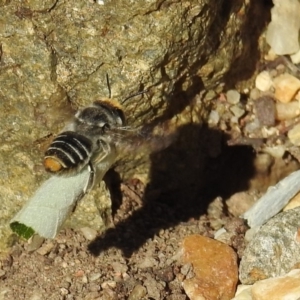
{"points": [[263, 81], [252, 126], [213, 117], [281, 287], [237, 111], [295, 58], [233, 96], [219, 232], [283, 31], [243, 292], [294, 135], [89, 233], [276, 151]]}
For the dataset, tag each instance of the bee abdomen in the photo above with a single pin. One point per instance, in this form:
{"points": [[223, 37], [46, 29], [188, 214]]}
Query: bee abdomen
{"points": [[69, 151]]}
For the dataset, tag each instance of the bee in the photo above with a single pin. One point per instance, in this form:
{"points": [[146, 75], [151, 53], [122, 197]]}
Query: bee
{"points": [[85, 140], [89, 138]]}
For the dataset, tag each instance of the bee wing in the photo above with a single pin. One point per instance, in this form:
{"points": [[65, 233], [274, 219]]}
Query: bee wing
{"points": [[128, 140]]}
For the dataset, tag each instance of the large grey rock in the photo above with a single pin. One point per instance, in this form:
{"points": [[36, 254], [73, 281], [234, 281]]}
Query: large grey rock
{"points": [[55, 55], [274, 250]]}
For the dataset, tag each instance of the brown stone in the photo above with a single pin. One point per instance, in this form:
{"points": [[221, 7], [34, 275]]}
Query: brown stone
{"points": [[215, 268], [286, 87]]}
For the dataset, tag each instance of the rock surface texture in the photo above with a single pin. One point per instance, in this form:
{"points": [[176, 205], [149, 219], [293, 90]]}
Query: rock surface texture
{"points": [[215, 268], [274, 250], [54, 56]]}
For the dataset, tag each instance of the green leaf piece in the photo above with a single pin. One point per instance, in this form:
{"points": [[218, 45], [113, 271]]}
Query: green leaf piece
{"points": [[22, 230]]}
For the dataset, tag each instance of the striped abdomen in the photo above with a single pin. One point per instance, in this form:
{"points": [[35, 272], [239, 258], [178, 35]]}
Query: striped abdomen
{"points": [[68, 152]]}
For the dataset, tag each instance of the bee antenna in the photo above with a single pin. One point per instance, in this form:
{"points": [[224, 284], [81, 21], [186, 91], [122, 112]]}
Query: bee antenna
{"points": [[108, 86], [136, 94]]}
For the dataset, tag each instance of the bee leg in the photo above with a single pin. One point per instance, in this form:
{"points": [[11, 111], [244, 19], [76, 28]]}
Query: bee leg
{"points": [[91, 180], [104, 150]]}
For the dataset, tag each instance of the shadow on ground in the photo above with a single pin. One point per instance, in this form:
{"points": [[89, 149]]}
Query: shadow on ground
{"points": [[199, 165], [185, 178]]}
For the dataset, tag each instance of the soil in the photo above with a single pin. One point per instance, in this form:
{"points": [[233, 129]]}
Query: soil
{"points": [[139, 256]]}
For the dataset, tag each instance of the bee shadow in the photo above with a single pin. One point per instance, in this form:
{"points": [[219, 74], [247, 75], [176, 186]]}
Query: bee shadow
{"points": [[184, 179]]}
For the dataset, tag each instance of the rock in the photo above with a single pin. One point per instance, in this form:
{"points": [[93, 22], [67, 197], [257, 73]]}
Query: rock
{"points": [[283, 31], [213, 118], [239, 203], [138, 292], [89, 233], [274, 200], [243, 292], [275, 151], [284, 287], [287, 111], [274, 250], [294, 135], [294, 202], [295, 58], [265, 110], [286, 87], [214, 266], [45, 248], [237, 111], [263, 81], [233, 96]]}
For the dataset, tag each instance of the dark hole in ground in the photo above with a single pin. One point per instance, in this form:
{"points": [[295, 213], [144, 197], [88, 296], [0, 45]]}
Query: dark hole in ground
{"points": [[185, 178]]}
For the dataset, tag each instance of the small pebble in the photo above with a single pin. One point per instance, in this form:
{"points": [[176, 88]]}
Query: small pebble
{"points": [[286, 86], [254, 94], [45, 249], [89, 233], [294, 135], [138, 292], [265, 110], [276, 151], [219, 232], [166, 274], [213, 117], [119, 267], [215, 268], [94, 276], [237, 111], [284, 287], [252, 126], [295, 58], [36, 295], [108, 284], [243, 292], [233, 97], [263, 81], [294, 202], [283, 31], [287, 111], [239, 203], [148, 262]]}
